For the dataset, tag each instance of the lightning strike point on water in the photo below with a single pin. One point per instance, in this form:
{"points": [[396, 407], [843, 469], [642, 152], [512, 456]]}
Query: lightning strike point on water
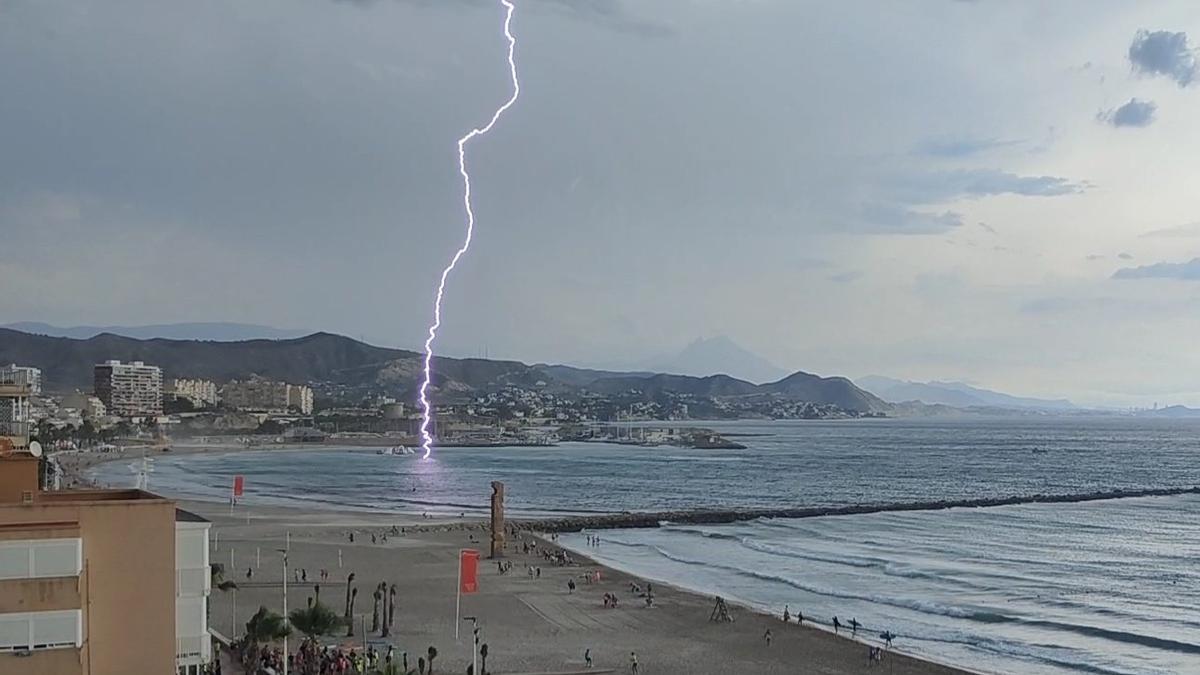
{"points": [[426, 413]]}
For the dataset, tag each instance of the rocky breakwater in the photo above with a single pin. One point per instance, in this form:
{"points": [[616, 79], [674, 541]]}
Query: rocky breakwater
{"points": [[718, 516]]}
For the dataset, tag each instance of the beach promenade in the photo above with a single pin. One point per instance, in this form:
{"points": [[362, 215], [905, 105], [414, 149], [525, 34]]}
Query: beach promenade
{"points": [[530, 624]]}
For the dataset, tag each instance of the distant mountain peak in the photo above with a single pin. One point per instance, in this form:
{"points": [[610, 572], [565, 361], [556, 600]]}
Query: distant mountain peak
{"points": [[719, 355]]}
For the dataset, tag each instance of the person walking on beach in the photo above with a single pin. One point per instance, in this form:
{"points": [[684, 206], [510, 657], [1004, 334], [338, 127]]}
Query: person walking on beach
{"points": [[837, 625], [787, 615], [633, 663], [587, 657], [799, 617], [249, 573], [853, 626], [767, 636], [570, 586]]}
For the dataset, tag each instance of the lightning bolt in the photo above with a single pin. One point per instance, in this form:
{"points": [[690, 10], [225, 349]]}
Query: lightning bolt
{"points": [[426, 414]]}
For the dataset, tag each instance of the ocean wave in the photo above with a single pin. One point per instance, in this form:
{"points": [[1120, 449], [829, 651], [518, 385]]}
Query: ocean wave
{"points": [[923, 606]]}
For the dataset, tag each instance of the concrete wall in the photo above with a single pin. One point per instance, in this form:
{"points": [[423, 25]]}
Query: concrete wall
{"points": [[18, 473]]}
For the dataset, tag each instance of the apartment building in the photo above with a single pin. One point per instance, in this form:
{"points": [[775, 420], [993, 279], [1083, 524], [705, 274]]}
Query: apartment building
{"points": [[88, 578], [129, 389], [266, 395], [202, 393], [29, 375], [16, 387]]}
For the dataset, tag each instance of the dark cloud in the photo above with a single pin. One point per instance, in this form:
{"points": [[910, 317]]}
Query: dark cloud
{"points": [[959, 147], [1092, 257], [611, 14], [988, 228], [1186, 271], [1164, 53], [1135, 113], [1124, 256]]}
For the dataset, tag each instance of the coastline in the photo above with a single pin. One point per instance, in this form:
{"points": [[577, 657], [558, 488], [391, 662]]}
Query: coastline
{"points": [[531, 623]]}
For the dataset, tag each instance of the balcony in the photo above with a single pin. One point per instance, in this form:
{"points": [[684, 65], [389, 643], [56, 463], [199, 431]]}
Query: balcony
{"points": [[15, 387], [17, 432]]}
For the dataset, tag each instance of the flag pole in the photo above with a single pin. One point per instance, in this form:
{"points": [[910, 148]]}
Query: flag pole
{"points": [[458, 596]]}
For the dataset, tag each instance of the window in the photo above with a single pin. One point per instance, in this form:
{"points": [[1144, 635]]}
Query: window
{"points": [[41, 630], [34, 558]]}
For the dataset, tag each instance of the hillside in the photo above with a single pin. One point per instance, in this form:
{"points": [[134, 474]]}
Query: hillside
{"points": [[356, 367], [954, 394]]}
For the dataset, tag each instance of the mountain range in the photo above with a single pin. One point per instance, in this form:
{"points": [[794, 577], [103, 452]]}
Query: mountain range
{"points": [[954, 394], [221, 331], [340, 361]]}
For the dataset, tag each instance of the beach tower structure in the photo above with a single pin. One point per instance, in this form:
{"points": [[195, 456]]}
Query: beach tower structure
{"points": [[497, 519]]}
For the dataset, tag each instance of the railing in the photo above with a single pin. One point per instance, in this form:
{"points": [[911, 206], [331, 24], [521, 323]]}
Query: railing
{"points": [[15, 429], [192, 647]]}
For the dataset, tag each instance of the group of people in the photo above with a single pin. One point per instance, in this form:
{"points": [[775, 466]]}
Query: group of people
{"points": [[876, 653], [313, 659]]}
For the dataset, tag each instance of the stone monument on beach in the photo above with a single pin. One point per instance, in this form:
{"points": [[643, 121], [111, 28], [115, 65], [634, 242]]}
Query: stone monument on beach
{"points": [[497, 519]]}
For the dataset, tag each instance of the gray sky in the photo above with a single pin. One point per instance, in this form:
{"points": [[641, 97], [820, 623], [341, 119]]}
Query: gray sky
{"points": [[999, 192]]}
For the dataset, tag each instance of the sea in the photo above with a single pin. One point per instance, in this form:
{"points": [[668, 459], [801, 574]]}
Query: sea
{"points": [[1096, 587]]}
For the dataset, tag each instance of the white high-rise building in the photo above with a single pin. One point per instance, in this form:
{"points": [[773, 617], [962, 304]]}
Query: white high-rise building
{"points": [[129, 389]]}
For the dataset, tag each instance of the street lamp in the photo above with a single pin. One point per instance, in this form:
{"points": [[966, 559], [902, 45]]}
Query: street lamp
{"points": [[474, 648], [285, 612]]}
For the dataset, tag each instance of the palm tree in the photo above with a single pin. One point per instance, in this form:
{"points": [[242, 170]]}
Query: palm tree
{"points": [[432, 653], [392, 606], [421, 664], [377, 595], [483, 652], [315, 620], [387, 624], [266, 626], [349, 580], [350, 621]]}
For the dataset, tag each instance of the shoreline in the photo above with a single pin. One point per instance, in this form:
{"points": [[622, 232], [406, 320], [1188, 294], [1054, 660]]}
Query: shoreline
{"points": [[531, 622]]}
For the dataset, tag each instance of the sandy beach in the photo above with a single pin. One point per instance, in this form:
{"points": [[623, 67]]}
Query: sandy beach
{"points": [[531, 625]]}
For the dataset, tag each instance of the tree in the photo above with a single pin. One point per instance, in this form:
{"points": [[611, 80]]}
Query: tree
{"points": [[483, 652], [432, 653], [350, 621], [377, 596], [270, 428], [315, 620], [349, 581], [392, 606], [387, 621], [266, 626]]}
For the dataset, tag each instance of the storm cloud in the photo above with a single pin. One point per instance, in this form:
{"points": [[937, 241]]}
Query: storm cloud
{"points": [[1164, 53], [1135, 113]]}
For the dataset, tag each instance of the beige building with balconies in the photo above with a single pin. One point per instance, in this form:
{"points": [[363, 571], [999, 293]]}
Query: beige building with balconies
{"points": [[88, 578]]}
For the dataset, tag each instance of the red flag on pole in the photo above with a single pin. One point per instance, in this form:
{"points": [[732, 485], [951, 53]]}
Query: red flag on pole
{"points": [[239, 483], [468, 571]]}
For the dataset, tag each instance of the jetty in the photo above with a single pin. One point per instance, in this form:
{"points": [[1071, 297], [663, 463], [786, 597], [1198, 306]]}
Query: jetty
{"points": [[719, 516]]}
